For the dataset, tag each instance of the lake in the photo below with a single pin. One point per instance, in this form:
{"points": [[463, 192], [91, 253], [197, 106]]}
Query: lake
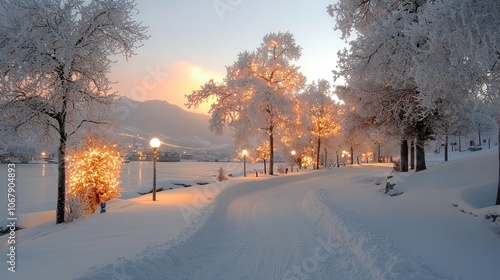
{"points": [[36, 184]]}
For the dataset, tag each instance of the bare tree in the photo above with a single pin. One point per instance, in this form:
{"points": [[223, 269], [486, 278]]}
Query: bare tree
{"points": [[54, 57]]}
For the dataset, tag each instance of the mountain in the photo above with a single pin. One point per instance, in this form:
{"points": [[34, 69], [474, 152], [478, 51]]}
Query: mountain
{"points": [[168, 122]]}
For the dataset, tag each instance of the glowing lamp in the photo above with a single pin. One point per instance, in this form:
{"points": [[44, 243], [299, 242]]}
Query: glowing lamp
{"points": [[154, 143], [244, 152]]}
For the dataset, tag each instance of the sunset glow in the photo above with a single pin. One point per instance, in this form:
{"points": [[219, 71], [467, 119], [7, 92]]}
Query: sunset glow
{"points": [[167, 82]]}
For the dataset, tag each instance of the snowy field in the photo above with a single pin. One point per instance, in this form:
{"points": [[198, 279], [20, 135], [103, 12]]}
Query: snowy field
{"points": [[329, 224]]}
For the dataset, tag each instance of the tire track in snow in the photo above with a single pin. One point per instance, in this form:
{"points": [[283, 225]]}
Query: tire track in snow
{"points": [[256, 231], [359, 252]]}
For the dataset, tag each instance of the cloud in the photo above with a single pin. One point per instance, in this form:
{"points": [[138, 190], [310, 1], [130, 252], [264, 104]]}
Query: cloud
{"points": [[167, 81]]}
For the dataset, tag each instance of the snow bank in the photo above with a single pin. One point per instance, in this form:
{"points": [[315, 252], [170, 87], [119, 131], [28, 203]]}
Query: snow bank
{"points": [[130, 228]]}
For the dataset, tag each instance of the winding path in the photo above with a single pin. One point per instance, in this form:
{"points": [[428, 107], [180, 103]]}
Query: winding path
{"points": [[273, 229]]}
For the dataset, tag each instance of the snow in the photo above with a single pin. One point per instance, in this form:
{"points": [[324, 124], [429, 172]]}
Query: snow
{"points": [[306, 225]]}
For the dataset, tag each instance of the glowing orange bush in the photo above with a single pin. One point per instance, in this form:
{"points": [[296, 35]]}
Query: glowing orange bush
{"points": [[93, 175]]}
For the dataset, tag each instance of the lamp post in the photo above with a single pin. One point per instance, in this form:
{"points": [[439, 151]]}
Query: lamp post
{"points": [[293, 158], [244, 152], [154, 143], [378, 142]]}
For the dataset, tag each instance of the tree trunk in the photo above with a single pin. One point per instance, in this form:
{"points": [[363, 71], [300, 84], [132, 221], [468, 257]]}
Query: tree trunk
{"points": [[265, 171], [412, 155], [404, 155], [420, 154], [479, 132], [352, 155], [338, 163], [378, 153], [498, 189], [317, 152], [326, 158], [61, 178], [460, 143], [446, 148], [271, 151]]}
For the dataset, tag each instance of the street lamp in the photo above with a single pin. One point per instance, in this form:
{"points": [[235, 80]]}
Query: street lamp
{"points": [[154, 143], [293, 158], [244, 152]]}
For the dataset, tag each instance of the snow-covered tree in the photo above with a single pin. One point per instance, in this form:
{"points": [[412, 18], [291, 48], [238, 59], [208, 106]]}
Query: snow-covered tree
{"points": [[355, 129], [295, 135], [54, 60], [453, 118], [358, 15], [319, 113], [457, 42], [257, 94], [393, 112], [377, 68], [458, 47], [484, 125], [449, 49]]}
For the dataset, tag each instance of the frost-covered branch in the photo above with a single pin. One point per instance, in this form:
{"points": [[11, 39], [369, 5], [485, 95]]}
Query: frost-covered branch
{"points": [[54, 61]]}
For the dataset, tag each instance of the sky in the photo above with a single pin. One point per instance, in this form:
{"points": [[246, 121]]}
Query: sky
{"points": [[193, 40]]}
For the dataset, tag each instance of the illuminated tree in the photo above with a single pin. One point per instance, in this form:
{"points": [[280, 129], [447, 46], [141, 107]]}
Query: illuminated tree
{"points": [[256, 97], [319, 113], [355, 129], [295, 135], [262, 152], [54, 61], [94, 174]]}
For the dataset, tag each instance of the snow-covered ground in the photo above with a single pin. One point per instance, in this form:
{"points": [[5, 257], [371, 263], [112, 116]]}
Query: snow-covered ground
{"points": [[329, 224], [37, 183]]}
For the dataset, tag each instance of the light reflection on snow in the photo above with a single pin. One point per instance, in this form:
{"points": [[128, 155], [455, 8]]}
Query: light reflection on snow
{"points": [[37, 183]]}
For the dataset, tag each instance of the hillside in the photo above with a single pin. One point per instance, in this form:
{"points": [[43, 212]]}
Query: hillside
{"points": [[169, 122]]}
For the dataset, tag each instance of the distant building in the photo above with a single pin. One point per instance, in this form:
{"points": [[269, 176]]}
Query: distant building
{"points": [[136, 156], [187, 157], [169, 157], [5, 158]]}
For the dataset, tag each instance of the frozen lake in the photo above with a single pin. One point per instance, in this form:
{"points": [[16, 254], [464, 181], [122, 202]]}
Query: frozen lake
{"points": [[36, 184]]}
